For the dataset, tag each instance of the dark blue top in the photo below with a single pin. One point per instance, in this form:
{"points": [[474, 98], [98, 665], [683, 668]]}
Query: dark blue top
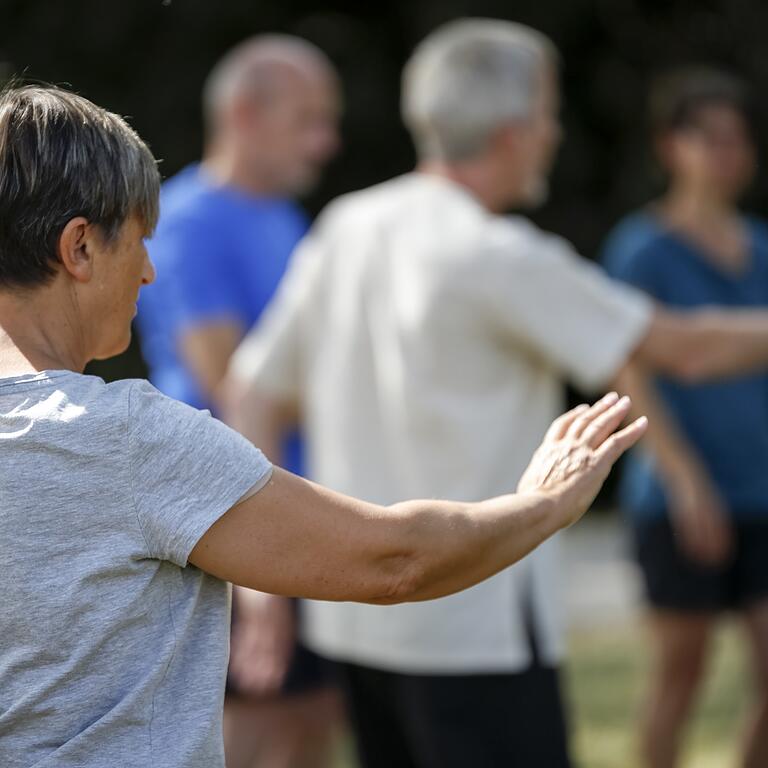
{"points": [[726, 421], [219, 255]]}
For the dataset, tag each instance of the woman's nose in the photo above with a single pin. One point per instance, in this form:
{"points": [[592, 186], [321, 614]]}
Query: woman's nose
{"points": [[149, 273]]}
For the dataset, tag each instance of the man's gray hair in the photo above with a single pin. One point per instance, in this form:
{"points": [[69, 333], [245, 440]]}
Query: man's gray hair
{"points": [[251, 68], [467, 79], [61, 156]]}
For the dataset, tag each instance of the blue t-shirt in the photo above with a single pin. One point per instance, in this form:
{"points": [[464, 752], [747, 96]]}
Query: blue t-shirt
{"points": [[219, 254], [725, 421]]}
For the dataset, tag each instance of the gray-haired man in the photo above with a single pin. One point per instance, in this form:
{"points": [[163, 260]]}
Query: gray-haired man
{"points": [[425, 338]]}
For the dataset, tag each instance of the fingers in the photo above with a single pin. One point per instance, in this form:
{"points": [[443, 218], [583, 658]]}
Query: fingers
{"points": [[577, 418], [606, 423], [561, 424], [583, 420], [622, 441]]}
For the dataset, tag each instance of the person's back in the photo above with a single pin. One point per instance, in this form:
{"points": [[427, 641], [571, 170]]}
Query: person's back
{"points": [[407, 302], [112, 642], [432, 350]]}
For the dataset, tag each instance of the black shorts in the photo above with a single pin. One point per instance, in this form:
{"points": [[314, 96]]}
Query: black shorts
{"points": [[456, 721], [674, 581], [306, 672]]}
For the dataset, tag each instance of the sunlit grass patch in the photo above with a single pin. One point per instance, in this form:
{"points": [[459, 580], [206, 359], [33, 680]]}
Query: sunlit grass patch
{"points": [[606, 678]]}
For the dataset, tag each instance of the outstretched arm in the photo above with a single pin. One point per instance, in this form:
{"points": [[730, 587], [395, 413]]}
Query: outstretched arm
{"points": [[297, 538], [703, 344]]}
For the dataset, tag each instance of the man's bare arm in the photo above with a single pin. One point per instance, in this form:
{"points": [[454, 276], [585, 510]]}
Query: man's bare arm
{"points": [[704, 344], [263, 419], [206, 350], [297, 538]]}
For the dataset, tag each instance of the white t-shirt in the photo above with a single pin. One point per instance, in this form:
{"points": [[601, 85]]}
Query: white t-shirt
{"points": [[427, 341]]}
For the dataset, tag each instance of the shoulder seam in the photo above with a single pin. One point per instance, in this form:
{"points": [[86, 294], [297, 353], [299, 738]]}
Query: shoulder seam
{"points": [[130, 472]]}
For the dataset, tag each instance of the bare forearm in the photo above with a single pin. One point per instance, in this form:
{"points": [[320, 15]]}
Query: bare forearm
{"points": [[669, 446], [706, 344], [452, 546], [206, 350], [353, 550], [297, 538], [263, 420]]}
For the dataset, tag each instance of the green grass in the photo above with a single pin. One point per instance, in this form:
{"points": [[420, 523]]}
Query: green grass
{"points": [[606, 677]]}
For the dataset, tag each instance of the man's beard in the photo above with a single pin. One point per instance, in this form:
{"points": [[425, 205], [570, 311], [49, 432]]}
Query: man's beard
{"points": [[303, 182], [536, 192]]}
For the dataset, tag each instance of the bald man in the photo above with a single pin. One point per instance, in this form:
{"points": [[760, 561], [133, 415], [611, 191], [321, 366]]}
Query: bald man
{"points": [[227, 228]]}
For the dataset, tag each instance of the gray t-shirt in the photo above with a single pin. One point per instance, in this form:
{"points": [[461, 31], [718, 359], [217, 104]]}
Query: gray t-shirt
{"points": [[113, 650]]}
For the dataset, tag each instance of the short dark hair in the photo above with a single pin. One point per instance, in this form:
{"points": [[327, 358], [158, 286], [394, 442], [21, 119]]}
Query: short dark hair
{"points": [[61, 156], [677, 98]]}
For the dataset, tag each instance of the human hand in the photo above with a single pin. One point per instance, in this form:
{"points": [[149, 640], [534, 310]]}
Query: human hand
{"points": [[578, 452], [262, 643], [699, 516]]}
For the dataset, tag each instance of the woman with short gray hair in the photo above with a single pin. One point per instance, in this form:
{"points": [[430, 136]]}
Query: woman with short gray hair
{"points": [[124, 513]]}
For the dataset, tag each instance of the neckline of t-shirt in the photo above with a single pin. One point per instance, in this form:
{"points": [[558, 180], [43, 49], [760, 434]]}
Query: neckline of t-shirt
{"points": [[693, 250], [18, 379]]}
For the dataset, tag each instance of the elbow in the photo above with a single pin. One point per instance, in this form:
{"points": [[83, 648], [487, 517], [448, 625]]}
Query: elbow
{"points": [[403, 555], [428, 552], [404, 578]]}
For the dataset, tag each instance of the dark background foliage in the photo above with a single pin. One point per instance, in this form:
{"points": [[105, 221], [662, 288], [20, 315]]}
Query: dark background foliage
{"points": [[147, 59]]}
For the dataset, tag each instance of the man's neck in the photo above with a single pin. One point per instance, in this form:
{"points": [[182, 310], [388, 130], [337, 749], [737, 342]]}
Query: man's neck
{"points": [[227, 169], [478, 177]]}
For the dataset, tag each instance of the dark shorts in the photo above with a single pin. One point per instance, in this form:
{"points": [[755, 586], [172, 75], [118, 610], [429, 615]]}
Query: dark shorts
{"points": [[674, 581], [456, 721], [307, 671]]}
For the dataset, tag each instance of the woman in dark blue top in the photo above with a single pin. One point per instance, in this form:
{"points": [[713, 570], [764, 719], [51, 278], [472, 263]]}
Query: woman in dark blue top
{"points": [[697, 495]]}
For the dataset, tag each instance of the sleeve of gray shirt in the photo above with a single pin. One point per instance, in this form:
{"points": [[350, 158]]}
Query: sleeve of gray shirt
{"points": [[187, 469]]}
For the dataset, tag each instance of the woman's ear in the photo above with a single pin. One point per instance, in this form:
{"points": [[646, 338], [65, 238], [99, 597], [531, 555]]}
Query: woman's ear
{"points": [[75, 249]]}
